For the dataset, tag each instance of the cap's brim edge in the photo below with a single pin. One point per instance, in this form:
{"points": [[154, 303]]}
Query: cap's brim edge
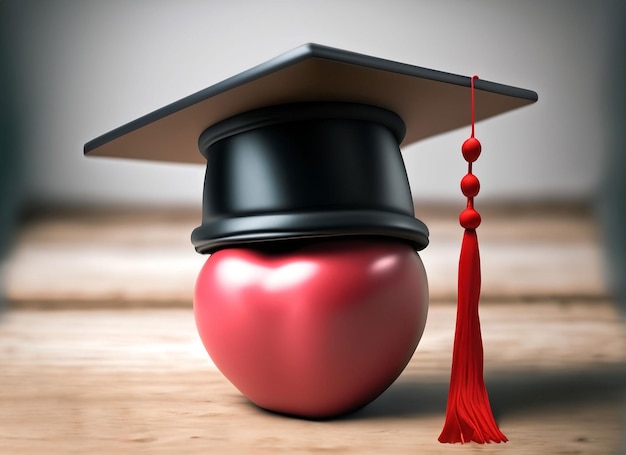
{"points": [[253, 73], [296, 55]]}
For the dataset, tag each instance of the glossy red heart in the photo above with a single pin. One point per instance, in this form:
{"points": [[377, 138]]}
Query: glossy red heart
{"points": [[316, 331]]}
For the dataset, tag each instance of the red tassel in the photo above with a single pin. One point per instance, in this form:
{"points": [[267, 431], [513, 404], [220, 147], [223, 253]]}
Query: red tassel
{"points": [[468, 413]]}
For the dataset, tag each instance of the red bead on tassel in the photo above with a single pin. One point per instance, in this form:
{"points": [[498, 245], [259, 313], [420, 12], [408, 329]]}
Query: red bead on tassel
{"points": [[468, 413]]}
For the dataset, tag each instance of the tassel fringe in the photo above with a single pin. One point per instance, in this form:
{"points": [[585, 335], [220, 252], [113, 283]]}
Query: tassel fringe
{"points": [[468, 413]]}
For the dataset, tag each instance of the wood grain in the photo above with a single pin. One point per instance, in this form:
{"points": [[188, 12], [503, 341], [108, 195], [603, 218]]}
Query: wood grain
{"points": [[145, 258], [99, 352], [139, 381]]}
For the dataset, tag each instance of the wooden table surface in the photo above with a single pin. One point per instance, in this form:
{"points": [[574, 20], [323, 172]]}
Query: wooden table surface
{"points": [[99, 353]]}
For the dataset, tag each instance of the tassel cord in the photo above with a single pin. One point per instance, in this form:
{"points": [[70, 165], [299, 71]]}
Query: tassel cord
{"points": [[468, 412]]}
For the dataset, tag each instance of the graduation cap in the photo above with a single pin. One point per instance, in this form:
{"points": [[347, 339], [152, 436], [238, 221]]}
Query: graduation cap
{"points": [[307, 145]]}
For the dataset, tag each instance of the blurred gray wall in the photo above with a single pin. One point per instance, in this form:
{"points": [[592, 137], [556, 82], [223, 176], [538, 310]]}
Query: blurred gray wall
{"points": [[612, 188], [11, 152], [85, 67]]}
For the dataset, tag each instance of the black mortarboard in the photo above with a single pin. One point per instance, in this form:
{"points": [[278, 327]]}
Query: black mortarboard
{"points": [[307, 144]]}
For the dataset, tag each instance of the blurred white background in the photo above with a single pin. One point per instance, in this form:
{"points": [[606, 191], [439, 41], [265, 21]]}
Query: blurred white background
{"points": [[83, 68]]}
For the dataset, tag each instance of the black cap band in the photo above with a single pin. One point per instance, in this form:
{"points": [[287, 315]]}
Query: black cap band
{"points": [[305, 170]]}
